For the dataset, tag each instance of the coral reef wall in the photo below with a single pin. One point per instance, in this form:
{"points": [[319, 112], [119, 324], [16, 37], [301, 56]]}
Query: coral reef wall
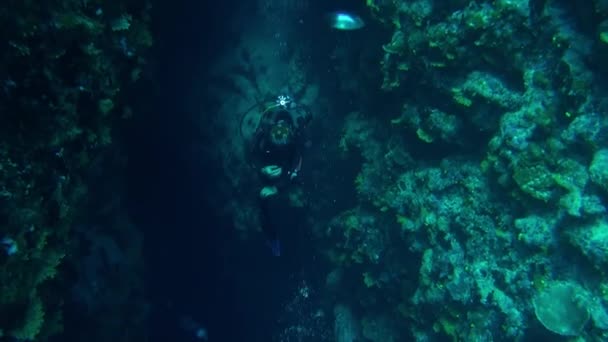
{"points": [[490, 172], [65, 71]]}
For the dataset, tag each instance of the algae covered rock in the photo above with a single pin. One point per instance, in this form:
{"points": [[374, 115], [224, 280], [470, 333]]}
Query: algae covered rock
{"points": [[598, 170], [536, 181]]}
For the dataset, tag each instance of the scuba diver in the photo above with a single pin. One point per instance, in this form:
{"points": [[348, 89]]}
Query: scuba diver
{"points": [[277, 148]]}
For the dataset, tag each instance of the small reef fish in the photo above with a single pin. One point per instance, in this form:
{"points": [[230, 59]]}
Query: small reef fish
{"points": [[345, 21]]}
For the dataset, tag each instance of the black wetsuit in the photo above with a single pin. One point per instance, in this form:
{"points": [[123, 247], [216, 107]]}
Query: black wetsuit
{"points": [[287, 156]]}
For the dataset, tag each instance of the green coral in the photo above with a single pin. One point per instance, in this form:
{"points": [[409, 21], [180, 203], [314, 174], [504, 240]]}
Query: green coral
{"points": [[32, 321], [67, 83], [535, 180], [598, 170], [105, 106], [122, 23], [397, 44]]}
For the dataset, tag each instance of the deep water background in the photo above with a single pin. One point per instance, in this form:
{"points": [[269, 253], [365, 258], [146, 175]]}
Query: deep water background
{"points": [[189, 261], [195, 266]]}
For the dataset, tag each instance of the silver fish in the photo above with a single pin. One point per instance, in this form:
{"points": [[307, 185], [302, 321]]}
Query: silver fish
{"points": [[345, 21]]}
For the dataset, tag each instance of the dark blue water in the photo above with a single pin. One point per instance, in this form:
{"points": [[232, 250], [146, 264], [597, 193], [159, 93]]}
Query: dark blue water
{"points": [[195, 265]]}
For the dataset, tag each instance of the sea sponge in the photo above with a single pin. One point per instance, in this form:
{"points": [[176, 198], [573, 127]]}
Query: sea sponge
{"points": [[560, 308]]}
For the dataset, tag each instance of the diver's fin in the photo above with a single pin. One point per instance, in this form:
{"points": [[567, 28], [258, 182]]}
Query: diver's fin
{"points": [[275, 247]]}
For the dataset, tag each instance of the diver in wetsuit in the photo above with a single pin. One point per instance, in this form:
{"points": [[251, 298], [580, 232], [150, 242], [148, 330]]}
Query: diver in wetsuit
{"points": [[277, 146]]}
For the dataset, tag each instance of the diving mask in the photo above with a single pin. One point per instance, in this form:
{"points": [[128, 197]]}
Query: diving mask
{"points": [[280, 133]]}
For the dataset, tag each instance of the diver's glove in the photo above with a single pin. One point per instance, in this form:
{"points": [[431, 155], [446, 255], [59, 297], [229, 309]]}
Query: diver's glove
{"points": [[272, 171], [268, 191]]}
